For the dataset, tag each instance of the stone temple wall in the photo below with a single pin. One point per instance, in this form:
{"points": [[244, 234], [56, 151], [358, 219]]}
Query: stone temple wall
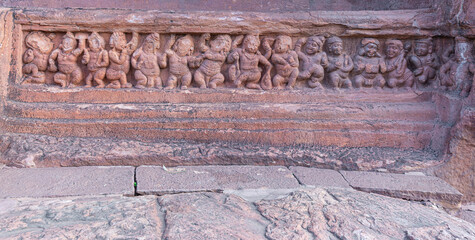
{"points": [[364, 85]]}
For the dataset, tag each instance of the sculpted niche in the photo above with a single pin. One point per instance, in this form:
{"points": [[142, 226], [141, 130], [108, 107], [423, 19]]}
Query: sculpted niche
{"points": [[262, 63]]}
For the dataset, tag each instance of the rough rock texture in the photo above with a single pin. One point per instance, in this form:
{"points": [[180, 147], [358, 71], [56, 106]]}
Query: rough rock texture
{"points": [[211, 216], [319, 177], [459, 170], [81, 218], [348, 214], [24, 150], [332, 213]]}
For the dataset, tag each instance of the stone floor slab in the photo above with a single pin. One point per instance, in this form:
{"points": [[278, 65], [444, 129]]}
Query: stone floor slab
{"points": [[73, 181], [404, 186], [160, 180], [319, 177]]}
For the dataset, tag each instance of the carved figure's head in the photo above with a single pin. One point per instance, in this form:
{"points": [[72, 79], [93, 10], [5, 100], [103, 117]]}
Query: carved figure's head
{"points": [[40, 42], [314, 45], [335, 45], [393, 48], [282, 44], [369, 48], [222, 43], [423, 47], [184, 46], [96, 42], [251, 43], [151, 43], [118, 41], [69, 42]]}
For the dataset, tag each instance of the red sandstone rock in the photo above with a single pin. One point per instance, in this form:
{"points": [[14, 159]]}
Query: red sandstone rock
{"points": [[319, 177]]}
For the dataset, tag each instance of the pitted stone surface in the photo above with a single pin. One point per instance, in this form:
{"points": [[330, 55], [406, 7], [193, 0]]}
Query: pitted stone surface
{"points": [[94, 217], [54, 182], [319, 177], [211, 216], [160, 180], [337, 213], [405, 186]]}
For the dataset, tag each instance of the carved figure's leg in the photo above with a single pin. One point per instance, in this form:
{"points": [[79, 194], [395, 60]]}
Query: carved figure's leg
{"points": [[392, 82], [200, 79], [253, 80], [89, 80], [61, 79], [379, 81], [186, 81], [171, 82], [277, 81], [292, 78], [123, 80], [157, 81], [359, 81], [76, 77], [216, 80], [141, 79], [99, 77], [114, 76], [334, 78]]}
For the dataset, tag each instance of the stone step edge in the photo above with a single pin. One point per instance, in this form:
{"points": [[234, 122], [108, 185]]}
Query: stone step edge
{"points": [[305, 177]]}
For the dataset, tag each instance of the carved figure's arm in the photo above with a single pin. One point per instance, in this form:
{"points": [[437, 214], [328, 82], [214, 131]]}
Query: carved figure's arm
{"points": [[135, 58], [162, 60], [52, 61], [233, 56], [118, 58], [266, 45], [134, 42], [202, 42], [347, 64], [324, 60], [278, 60], [104, 58], [86, 57], [382, 66]]}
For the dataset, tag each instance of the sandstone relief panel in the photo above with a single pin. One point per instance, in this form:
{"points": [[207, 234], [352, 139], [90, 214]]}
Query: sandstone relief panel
{"points": [[256, 62]]}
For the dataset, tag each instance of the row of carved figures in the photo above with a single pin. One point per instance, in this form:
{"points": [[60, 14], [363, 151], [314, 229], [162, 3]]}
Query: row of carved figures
{"points": [[401, 67]]}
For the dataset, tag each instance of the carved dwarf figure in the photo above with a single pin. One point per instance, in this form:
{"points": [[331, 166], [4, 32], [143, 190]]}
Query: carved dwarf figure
{"points": [[179, 57], [286, 62], [313, 60], [247, 59], [213, 57], [455, 74], [67, 55], [340, 64], [97, 60], [147, 62], [36, 57], [424, 63], [119, 56], [369, 65], [396, 65]]}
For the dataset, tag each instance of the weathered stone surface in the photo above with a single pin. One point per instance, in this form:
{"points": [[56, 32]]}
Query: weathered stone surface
{"points": [[81, 218], [319, 177], [211, 216], [404, 186], [53, 182], [460, 167], [22, 150], [151, 179], [467, 213], [348, 214]]}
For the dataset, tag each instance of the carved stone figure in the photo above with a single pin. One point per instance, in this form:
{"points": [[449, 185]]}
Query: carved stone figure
{"points": [[369, 65], [179, 57], [313, 60], [97, 60], [396, 65], [213, 57], [286, 63], [36, 56], [339, 65], [147, 62], [66, 55], [455, 74], [246, 61], [424, 62], [119, 56]]}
